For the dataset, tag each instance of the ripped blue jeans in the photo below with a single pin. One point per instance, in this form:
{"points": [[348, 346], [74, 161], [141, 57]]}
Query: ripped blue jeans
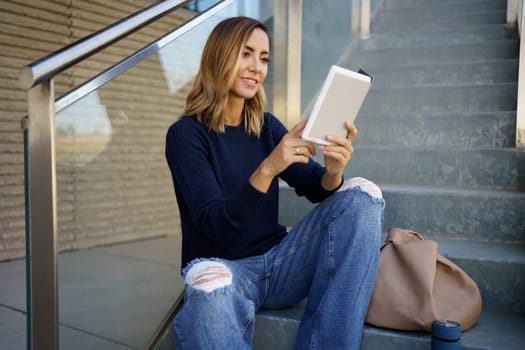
{"points": [[330, 257]]}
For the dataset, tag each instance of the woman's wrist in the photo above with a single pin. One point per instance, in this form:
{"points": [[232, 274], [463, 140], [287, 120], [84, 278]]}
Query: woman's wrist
{"points": [[262, 178], [331, 181]]}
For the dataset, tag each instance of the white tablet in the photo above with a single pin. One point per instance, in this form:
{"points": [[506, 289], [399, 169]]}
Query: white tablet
{"points": [[341, 97]]}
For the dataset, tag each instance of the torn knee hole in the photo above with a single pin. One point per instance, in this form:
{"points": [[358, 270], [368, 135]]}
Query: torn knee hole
{"points": [[365, 185], [208, 276]]}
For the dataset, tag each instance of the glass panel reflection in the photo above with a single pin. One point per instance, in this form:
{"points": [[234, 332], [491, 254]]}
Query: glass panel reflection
{"points": [[83, 131]]}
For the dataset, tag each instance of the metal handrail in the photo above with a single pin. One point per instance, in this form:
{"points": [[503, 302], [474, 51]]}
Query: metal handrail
{"points": [[112, 72], [49, 66]]}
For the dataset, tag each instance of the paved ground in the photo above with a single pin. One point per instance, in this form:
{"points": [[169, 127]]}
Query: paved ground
{"points": [[110, 298]]}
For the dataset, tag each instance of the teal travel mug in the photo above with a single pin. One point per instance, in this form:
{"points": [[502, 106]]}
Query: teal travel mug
{"points": [[446, 335]]}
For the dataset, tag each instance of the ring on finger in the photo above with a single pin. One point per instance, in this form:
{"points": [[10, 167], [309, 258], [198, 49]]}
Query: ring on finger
{"points": [[297, 150]]}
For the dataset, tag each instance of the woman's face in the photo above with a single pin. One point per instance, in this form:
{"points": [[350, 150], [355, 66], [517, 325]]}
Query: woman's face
{"points": [[253, 67]]}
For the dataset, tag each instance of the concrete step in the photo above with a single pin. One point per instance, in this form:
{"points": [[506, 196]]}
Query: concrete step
{"points": [[397, 23], [496, 49], [277, 329], [444, 74], [407, 4], [467, 98], [485, 215], [474, 129], [460, 214], [490, 265], [435, 9], [443, 36], [469, 168]]}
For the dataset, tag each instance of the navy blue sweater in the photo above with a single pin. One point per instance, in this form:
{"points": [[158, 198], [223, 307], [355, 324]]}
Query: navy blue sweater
{"points": [[222, 214]]}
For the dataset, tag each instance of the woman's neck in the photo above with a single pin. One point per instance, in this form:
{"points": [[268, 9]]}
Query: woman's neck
{"points": [[234, 109]]}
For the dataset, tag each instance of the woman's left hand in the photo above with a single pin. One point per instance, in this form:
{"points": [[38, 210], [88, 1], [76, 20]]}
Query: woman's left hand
{"points": [[337, 156]]}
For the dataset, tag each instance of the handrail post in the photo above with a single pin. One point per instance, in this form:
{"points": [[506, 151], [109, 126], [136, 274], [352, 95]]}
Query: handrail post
{"points": [[355, 14], [365, 19], [512, 11], [293, 81], [43, 221], [279, 59], [24, 124], [520, 110], [360, 18]]}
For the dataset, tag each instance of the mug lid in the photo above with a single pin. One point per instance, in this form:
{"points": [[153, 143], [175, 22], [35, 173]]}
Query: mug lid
{"points": [[446, 329]]}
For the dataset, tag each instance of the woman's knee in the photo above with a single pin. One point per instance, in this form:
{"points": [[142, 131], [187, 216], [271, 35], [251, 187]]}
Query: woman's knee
{"points": [[208, 275], [364, 185], [213, 306], [366, 216]]}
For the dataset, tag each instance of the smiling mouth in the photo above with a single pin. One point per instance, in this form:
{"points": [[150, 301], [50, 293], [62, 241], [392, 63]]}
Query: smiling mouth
{"points": [[250, 81]]}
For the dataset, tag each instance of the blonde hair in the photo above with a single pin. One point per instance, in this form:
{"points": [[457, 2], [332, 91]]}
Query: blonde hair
{"points": [[218, 68]]}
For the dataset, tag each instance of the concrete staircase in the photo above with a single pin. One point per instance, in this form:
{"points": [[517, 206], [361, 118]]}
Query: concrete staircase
{"points": [[437, 133]]}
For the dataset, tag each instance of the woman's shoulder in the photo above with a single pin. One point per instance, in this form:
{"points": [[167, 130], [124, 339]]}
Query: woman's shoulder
{"points": [[269, 117], [185, 122], [186, 129], [273, 125], [186, 125], [272, 122]]}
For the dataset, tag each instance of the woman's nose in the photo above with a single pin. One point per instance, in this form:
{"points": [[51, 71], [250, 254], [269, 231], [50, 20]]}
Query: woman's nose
{"points": [[255, 64]]}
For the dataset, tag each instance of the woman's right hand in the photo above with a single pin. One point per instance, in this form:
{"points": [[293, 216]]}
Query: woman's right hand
{"points": [[291, 149]]}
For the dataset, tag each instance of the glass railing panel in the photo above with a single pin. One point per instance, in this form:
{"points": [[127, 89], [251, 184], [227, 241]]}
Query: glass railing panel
{"points": [[328, 30], [118, 226], [200, 5], [326, 35]]}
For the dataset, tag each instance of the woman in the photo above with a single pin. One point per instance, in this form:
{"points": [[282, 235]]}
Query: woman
{"points": [[226, 157]]}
